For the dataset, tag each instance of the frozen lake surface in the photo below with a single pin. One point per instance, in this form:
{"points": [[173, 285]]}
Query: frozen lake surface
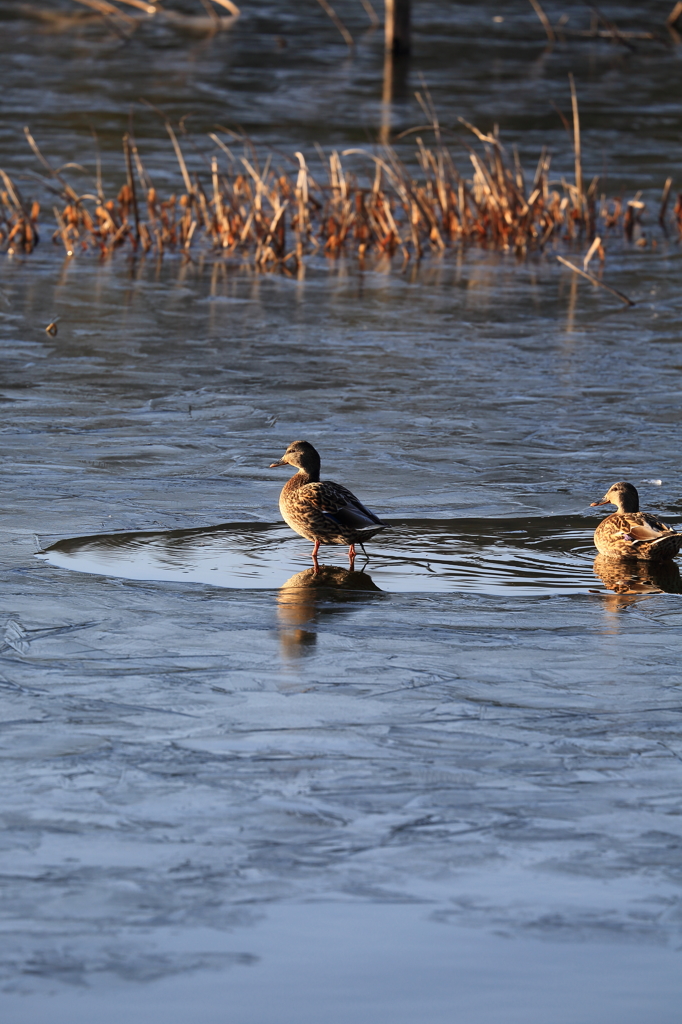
{"points": [[445, 787], [451, 778]]}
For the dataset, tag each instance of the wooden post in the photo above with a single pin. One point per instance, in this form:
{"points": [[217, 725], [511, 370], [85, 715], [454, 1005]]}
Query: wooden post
{"points": [[395, 69], [397, 26]]}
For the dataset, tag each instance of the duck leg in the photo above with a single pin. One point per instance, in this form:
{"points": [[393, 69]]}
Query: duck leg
{"points": [[351, 556], [316, 564]]}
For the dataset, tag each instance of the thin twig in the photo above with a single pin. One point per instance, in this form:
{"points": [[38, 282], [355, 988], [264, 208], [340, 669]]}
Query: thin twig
{"points": [[329, 10], [611, 26], [665, 197], [576, 141], [229, 6], [181, 159], [141, 5], [131, 184], [671, 20], [591, 251], [549, 31], [595, 280], [371, 13], [62, 230]]}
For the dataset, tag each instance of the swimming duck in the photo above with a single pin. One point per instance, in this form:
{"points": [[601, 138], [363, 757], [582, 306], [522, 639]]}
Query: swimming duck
{"points": [[320, 510], [629, 533]]}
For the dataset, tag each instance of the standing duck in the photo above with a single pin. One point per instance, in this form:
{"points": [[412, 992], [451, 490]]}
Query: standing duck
{"points": [[629, 533], [320, 510]]}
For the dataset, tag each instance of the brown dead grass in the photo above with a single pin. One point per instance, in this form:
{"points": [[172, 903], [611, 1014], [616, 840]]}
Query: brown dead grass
{"points": [[368, 202]]}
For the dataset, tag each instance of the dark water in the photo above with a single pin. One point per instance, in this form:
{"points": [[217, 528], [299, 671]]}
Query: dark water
{"points": [[445, 786], [285, 76], [418, 555]]}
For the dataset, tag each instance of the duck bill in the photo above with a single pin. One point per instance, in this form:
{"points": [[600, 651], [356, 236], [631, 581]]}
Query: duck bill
{"points": [[273, 465], [604, 501]]}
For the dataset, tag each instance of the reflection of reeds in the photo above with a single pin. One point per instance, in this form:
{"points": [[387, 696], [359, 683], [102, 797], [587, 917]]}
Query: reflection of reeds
{"points": [[123, 23], [371, 203]]}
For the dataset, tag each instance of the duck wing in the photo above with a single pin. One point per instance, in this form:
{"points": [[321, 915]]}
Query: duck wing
{"points": [[655, 523], [636, 527], [644, 528], [645, 532], [340, 505]]}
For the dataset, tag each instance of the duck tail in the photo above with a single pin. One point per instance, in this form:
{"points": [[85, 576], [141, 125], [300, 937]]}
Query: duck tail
{"points": [[671, 535]]}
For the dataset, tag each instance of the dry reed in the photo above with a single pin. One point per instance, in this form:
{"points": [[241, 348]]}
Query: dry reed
{"points": [[595, 280], [124, 17], [372, 202], [602, 27]]}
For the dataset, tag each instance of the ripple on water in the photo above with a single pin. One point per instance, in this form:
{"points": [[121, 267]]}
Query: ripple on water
{"points": [[485, 556]]}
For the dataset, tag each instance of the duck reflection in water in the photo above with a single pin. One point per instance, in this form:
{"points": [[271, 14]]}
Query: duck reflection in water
{"points": [[631, 579], [308, 595]]}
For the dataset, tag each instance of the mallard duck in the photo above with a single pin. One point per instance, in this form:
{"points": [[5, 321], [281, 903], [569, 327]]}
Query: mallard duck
{"points": [[320, 510], [629, 533]]}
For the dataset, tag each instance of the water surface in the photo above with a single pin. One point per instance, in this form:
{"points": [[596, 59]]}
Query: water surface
{"points": [[449, 780], [417, 555]]}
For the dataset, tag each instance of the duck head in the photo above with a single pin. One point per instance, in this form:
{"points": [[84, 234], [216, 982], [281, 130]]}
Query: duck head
{"points": [[624, 496], [303, 456]]}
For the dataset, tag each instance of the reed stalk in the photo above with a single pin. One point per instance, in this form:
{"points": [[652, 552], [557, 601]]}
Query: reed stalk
{"points": [[595, 281], [369, 203], [576, 142]]}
